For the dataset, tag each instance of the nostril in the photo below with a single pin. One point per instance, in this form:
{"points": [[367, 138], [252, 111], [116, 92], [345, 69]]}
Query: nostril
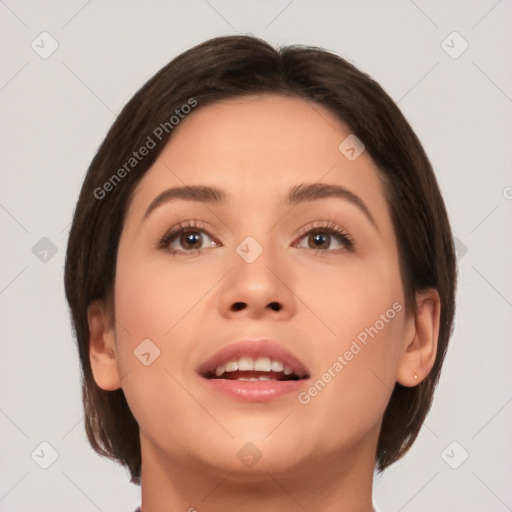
{"points": [[237, 306]]}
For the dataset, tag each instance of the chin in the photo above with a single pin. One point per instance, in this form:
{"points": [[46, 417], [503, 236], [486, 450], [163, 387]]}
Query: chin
{"points": [[253, 452]]}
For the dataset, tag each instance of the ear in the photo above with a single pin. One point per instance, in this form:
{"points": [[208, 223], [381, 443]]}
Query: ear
{"points": [[420, 343], [102, 350]]}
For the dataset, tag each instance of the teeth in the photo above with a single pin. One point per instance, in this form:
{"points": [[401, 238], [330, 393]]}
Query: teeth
{"points": [[232, 366], [248, 364], [262, 364], [276, 366]]}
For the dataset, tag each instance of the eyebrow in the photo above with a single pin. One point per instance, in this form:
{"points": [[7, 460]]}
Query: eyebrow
{"points": [[298, 194]]}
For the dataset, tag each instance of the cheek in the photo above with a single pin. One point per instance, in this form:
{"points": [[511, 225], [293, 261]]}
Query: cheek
{"points": [[151, 298], [148, 314], [346, 300], [356, 367], [161, 302], [350, 389]]}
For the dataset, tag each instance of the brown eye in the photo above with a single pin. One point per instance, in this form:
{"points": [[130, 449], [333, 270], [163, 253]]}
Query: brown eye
{"points": [[187, 239], [322, 239], [319, 240], [190, 240]]}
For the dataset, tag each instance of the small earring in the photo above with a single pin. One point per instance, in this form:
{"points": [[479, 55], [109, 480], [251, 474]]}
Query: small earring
{"points": [[415, 376]]}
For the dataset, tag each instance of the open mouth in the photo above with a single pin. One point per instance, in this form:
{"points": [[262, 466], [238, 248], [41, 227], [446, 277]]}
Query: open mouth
{"points": [[251, 369], [254, 370]]}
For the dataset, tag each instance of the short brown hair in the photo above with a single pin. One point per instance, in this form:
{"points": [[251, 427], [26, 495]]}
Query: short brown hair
{"points": [[235, 66]]}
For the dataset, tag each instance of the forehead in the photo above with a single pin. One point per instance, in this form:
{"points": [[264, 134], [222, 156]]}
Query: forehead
{"points": [[267, 129], [257, 148]]}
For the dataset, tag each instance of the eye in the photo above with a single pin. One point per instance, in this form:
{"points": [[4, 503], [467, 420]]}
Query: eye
{"points": [[187, 238], [320, 238], [190, 237]]}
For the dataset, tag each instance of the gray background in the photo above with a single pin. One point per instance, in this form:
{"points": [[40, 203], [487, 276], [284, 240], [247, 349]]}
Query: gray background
{"points": [[55, 113]]}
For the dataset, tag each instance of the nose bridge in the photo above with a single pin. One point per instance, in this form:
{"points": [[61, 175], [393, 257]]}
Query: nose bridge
{"points": [[258, 246], [257, 281]]}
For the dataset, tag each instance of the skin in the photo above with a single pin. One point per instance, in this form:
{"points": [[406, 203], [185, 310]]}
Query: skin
{"points": [[319, 456]]}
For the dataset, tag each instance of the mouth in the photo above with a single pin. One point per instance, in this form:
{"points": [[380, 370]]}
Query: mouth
{"points": [[254, 370], [249, 369]]}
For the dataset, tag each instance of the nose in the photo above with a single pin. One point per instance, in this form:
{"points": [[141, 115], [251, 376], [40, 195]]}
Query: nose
{"points": [[261, 288]]}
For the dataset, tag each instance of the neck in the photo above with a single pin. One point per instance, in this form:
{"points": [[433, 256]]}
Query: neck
{"points": [[342, 482]]}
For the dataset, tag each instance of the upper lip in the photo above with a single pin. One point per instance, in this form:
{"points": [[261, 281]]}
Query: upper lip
{"points": [[253, 348]]}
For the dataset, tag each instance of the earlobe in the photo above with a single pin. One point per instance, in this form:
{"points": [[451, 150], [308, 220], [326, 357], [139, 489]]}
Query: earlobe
{"points": [[420, 346], [102, 351]]}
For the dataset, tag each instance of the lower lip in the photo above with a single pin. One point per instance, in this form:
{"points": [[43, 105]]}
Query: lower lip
{"points": [[254, 391]]}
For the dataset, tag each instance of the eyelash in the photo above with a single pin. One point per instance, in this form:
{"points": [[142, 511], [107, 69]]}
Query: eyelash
{"points": [[194, 226]]}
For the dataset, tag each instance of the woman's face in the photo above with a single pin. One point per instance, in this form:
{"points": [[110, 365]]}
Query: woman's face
{"points": [[256, 265]]}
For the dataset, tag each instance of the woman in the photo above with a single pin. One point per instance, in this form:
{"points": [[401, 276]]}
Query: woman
{"points": [[261, 276]]}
